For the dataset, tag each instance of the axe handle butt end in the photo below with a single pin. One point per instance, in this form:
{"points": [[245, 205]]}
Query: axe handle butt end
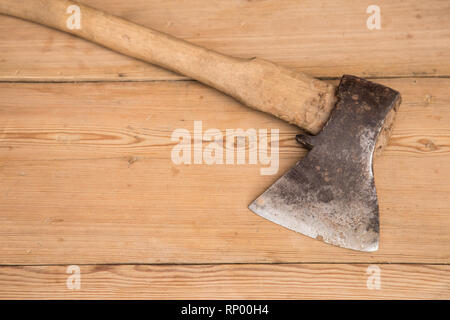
{"points": [[259, 84]]}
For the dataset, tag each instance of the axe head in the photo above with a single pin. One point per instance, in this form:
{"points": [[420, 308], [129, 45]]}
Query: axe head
{"points": [[330, 194]]}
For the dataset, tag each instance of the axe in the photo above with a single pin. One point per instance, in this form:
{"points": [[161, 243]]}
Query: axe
{"points": [[328, 195]]}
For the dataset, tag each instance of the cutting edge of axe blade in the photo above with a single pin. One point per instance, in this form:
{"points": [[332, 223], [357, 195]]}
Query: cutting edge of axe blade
{"points": [[330, 194]]}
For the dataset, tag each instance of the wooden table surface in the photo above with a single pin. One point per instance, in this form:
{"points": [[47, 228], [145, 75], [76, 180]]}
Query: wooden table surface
{"points": [[87, 179]]}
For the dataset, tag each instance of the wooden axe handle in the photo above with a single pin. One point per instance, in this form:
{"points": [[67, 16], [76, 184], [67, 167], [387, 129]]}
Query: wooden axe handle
{"points": [[262, 85]]}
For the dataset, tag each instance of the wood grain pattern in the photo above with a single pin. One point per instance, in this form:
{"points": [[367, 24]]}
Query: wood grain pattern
{"points": [[319, 38], [87, 178], [293, 281]]}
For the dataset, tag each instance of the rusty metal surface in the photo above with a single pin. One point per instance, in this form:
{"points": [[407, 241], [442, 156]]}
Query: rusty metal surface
{"points": [[330, 194]]}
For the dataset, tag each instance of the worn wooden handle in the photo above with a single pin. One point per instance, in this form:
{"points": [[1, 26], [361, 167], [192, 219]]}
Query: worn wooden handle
{"points": [[262, 85]]}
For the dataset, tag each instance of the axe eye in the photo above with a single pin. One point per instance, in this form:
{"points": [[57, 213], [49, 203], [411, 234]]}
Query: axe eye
{"points": [[305, 140]]}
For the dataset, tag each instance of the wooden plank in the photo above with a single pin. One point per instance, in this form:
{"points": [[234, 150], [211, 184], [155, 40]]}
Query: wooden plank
{"points": [[315, 36], [292, 281], [87, 177]]}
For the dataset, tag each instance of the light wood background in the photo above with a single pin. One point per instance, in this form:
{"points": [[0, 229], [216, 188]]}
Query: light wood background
{"points": [[86, 176]]}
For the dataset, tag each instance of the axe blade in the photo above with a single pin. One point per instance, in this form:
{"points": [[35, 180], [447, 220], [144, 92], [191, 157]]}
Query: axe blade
{"points": [[330, 194]]}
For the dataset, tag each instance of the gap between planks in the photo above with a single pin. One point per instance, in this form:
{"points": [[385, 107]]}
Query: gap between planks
{"points": [[228, 263], [182, 79]]}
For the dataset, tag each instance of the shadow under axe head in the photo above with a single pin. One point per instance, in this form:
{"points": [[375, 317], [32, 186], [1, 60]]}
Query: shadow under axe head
{"points": [[330, 194]]}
